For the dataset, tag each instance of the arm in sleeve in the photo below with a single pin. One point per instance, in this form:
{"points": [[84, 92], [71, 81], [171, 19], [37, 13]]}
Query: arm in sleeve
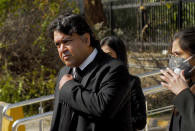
{"points": [[185, 103], [106, 102], [138, 107]]}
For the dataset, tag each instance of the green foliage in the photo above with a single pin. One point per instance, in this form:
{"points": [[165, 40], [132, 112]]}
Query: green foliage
{"points": [[8, 90], [39, 82], [168, 5], [4, 4], [15, 88]]}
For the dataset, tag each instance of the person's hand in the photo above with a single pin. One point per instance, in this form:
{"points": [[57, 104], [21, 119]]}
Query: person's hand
{"points": [[64, 79], [174, 82], [193, 89]]}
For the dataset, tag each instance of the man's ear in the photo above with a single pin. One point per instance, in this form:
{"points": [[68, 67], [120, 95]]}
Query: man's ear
{"points": [[86, 38]]}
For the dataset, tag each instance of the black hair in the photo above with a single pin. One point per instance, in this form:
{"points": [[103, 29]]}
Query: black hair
{"points": [[72, 23], [117, 45], [186, 39]]}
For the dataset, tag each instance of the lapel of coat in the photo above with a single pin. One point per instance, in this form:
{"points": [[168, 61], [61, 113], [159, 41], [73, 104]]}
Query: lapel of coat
{"points": [[64, 70], [90, 69]]}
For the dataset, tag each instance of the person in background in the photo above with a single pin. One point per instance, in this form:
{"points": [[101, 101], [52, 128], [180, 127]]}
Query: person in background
{"points": [[92, 89], [115, 47], [179, 78]]}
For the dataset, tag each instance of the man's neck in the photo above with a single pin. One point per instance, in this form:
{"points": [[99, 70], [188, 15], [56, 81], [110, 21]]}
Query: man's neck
{"points": [[89, 59]]}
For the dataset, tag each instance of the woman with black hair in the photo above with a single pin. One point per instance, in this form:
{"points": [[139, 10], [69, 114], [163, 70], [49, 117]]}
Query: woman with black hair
{"points": [[115, 47], [179, 78]]}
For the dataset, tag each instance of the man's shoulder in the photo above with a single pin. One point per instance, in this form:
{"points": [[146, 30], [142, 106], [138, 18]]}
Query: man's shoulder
{"points": [[106, 60], [113, 62], [113, 66]]}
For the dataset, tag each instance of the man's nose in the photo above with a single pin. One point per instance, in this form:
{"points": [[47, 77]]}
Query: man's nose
{"points": [[62, 47]]}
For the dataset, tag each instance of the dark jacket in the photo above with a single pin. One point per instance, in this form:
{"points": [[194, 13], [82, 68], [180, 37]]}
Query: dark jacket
{"points": [[101, 102], [185, 104], [138, 106]]}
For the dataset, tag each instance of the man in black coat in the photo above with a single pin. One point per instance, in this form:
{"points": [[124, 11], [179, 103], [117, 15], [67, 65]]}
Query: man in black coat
{"points": [[93, 90]]}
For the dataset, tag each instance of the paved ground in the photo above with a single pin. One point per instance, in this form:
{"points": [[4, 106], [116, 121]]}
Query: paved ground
{"points": [[35, 126], [154, 124], [158, 123]]}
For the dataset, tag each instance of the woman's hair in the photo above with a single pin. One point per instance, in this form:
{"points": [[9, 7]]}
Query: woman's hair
{"points": [[186, 39], [117, 45]]}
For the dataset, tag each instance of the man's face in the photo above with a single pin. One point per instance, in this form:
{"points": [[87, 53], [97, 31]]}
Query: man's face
{"points": [[72, 49]]}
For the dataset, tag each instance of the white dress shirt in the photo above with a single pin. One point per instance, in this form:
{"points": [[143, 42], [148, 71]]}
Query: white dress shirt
{"points": [[89, 59]]}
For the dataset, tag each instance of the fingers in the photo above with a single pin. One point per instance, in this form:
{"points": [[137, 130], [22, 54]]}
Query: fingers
{"points": [[174, 82], [165, 82], [69, 76], [173, 74], [165, 85], [165, 75], [163, 78], [182, 75], [64, 79], [193, 89], [169, 75]]}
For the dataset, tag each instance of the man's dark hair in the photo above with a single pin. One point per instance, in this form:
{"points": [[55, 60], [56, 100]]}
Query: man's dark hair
{"points": [[117, 45], [186, 39], [72, 23]]}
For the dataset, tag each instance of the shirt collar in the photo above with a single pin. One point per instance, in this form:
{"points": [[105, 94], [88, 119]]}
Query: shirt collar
{"points": [[89, 59]]}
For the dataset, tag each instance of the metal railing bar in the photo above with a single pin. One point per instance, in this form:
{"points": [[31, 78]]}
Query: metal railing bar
{"points": [[24, 103], [154, 89], [108, 1], [155, 128], [145, 67], [165, 110], [30, 119], [149, 59], [170, 106], [159, 110], [147, 74], [115, 7]]}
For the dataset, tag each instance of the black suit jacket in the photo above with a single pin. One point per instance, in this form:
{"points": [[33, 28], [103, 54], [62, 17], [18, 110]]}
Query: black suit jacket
{"points": [[185, 104], [101, 102]]}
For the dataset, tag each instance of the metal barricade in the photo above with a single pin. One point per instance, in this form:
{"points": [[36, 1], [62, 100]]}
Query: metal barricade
{"points": [[27, 120], [41, 116]]}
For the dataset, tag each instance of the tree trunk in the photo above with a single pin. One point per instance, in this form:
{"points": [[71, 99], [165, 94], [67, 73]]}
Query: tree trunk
{"points": [[93, 11]]}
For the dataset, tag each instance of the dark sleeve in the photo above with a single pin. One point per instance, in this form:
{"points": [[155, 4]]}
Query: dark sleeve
{"points": [[56, 89], [56, 104], [185, 103], [113, 90], [138, 107]]}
